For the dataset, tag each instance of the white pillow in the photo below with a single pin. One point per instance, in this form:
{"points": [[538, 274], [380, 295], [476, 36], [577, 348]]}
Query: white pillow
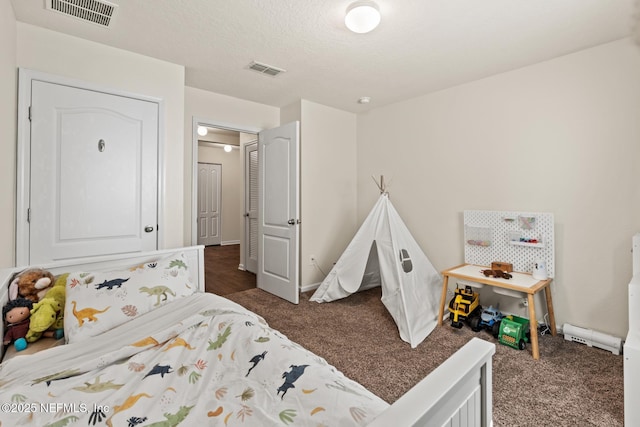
{"points": [[99, 301]]}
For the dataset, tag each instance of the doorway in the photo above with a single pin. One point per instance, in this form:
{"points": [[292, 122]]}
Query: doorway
{"points": [[222, 276], [224, 145], [278, 269]]}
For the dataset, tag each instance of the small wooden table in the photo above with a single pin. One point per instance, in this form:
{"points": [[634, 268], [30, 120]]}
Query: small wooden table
{"points": [[520, 282]]}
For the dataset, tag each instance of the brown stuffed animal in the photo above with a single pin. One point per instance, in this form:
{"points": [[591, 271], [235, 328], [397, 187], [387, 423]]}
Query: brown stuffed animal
{"points": [[31, 284]]}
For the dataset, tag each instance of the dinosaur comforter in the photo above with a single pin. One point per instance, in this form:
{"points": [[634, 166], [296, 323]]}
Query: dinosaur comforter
{"points": [[199, 360]]}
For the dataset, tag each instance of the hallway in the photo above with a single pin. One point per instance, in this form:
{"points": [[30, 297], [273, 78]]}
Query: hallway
{"points": [[222, 276]]}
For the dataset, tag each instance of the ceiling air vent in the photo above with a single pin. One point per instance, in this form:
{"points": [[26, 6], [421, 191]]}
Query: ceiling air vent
{"points": [[265, 69], [97, 12]]}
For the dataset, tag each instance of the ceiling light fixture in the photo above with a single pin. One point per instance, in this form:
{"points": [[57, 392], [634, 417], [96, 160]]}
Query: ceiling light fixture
{"points": [[202, 131], [228, 148], [362, 16]]}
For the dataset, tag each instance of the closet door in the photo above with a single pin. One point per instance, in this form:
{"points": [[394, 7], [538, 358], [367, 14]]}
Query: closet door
{"points": [[93, 175], [209, 215]]}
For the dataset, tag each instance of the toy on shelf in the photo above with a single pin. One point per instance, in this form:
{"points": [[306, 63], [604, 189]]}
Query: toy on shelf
{"points": [[516, 238], [463, 306], [498, 274], [489, 319], [514, 332]]}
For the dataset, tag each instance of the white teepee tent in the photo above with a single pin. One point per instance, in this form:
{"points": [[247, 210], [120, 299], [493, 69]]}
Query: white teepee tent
{"points": [[383, 252]]}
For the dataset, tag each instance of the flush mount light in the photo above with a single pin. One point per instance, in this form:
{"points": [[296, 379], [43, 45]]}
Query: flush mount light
{"points": [[202, 131], [362, 16], [228, 148]]}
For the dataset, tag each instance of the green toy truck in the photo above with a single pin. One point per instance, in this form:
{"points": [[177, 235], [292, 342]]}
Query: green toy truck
{"points": [[514, 332]]}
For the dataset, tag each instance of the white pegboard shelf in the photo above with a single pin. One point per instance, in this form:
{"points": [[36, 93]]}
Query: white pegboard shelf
{"points": [[505, 236], [529, 245]]}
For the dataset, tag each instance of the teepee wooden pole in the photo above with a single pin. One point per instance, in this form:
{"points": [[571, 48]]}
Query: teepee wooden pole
{"points": [[380, 184]]}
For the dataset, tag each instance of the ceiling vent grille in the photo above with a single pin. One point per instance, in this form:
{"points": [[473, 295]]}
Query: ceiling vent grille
{"points": [[265, 69], [94, 11]]}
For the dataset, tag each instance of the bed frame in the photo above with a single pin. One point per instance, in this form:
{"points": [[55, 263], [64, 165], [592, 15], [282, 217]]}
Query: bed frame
{"points": [[458, 392]]}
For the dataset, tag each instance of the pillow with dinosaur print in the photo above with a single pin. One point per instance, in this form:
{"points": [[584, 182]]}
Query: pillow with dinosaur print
{"points": [[98, 301]]}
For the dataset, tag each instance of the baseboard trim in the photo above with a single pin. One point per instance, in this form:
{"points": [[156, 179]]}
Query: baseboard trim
{"points": [[230, 242], [309, 287]]}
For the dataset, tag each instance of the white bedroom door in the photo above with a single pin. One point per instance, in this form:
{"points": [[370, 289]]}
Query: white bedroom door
{"points": [[93, 180], [278, 213], [251, 207], [209, 178]]}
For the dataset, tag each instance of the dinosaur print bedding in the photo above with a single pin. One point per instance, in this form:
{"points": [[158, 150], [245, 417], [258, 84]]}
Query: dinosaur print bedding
{"points": [[96, 301], [195, 361]]}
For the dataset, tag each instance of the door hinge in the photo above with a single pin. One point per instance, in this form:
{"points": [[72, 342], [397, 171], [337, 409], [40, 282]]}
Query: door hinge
{"points": [[29, 112], [29, 215]]}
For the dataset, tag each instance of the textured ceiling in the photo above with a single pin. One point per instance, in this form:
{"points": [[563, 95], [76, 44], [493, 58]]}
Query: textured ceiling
{"points": [[421, 46]]}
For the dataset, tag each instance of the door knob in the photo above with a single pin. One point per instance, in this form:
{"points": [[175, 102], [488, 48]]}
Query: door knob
{"points": [[291, 221], [148, 229]]}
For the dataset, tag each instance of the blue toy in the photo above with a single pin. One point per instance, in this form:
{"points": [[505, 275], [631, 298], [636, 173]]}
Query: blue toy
{"points": [[489, 319]]}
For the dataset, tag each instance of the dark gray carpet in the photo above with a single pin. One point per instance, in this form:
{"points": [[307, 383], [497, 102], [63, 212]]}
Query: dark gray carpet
{"points": [[570, 385]]}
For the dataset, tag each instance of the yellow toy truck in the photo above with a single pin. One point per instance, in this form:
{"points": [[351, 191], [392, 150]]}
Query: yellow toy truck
{"points": [[463, 306]]}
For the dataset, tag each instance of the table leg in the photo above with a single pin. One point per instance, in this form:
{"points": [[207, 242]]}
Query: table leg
{"points": [[443, 298], [552, 316], [533, 324]]}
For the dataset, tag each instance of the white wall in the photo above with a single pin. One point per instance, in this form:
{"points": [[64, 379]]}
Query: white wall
{"points": [[56, 53], [561, 136], [8, 102], [328, 187], [231, 189]]}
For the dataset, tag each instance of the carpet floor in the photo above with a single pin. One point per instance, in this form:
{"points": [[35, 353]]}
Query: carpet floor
{"points": [[571, 384]]}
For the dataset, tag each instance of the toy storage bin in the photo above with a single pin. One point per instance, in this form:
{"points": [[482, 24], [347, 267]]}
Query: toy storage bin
{"points": [[478, 235]]}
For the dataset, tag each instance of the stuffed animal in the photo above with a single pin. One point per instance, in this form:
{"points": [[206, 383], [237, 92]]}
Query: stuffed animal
{"points": [[31, 284], [43, 315], [16, 315], [47, 315]]}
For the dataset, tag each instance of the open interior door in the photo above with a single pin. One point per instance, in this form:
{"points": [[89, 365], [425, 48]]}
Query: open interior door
{"points": [[278, 213]]}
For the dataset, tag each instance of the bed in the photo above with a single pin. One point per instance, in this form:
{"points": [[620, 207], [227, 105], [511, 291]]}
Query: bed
{"points": [[146, 346]]}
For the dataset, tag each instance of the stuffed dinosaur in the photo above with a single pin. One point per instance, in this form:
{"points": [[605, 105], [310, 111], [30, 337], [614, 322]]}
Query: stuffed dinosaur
{"points": [[47, 316]]}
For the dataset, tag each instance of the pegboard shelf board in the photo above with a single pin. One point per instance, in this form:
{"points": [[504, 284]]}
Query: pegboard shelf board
{"points": [[525, 244], [504, 229]]}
